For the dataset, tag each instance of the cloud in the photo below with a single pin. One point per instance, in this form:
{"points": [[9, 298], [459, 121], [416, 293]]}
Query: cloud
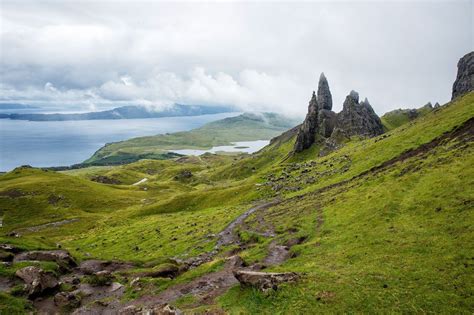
{"points": [[257, 56]]}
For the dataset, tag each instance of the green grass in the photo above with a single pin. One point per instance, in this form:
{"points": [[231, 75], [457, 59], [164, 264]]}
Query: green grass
{"points": [[389, 243], [399, 117]]}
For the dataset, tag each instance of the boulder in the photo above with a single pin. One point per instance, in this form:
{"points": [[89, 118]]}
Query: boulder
{"points": [[101, 278], [264, 281], [163, 309], [67, 299], [464, 82], [307, 133], [37, 280], [92, 266], [6, 256], [61, 257], [162, 271]]}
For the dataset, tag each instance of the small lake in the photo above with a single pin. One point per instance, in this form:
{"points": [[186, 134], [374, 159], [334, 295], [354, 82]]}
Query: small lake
{"points": [[241, 146], [62, 143]]}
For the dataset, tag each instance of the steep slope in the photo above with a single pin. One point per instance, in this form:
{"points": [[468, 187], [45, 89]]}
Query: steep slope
{"points": [[398, 117]]}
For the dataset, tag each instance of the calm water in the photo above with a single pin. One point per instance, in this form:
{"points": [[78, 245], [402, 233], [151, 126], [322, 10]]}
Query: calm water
{"points": [[242, 146], [59, 143]]}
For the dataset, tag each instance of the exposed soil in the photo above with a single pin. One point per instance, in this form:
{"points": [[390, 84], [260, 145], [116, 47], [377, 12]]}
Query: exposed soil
{"points": [[48, 225], [277, 254], [227, 236]]}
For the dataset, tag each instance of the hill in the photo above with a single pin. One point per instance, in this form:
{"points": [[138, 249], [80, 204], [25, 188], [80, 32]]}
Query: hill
{"points": [[398, 117], [124, 112], [395, 199], [245, 127]]}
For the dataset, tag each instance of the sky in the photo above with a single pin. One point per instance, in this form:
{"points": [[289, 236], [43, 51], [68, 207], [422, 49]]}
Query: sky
{"points": [[257, 56]]}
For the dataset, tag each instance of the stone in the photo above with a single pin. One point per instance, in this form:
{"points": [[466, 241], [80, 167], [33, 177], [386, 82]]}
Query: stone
{"points": [[6, 256], [324, 94], [67, 299], [162, 271], [264, 281], [37, 280], [163, 309], [102, 278], [464, 82], [307, 133], [61, 257], [184, 174], [92, 266]]}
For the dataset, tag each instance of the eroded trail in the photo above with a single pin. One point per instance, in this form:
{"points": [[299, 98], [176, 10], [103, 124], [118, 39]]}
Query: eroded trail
{"points": [[205, 288], [227, 236]]}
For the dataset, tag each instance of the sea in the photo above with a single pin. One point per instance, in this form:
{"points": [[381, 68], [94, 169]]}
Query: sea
{"points": [[63, 143]]}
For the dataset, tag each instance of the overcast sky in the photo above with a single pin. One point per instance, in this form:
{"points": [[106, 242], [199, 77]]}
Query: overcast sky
{"points": [[257, 56]]}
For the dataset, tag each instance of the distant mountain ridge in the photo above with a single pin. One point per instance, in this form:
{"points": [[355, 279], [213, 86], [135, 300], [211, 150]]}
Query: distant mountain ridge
{"points": [[126, 112]]}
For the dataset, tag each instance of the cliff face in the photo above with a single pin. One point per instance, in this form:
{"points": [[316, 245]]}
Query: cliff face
{"points": [[308, 130], [465, 78]]}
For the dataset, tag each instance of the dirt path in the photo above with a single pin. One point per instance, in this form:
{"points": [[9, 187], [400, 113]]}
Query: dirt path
{"points": [[47, 225], [227, 236], [205, 288]]}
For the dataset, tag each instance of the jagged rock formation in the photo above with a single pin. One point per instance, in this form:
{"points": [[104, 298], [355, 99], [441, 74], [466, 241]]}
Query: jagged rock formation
{"points": [[309, 128], [322, 123], [324, 94], [465, 78], [358, 119]]}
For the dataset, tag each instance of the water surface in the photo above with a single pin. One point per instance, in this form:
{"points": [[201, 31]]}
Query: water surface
{"points": [[60, 143], [240, 146]]}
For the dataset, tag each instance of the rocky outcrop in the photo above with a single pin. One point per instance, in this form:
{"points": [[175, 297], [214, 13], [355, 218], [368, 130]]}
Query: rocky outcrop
{"points": [[93, 266], [67, 299], [326, 122], [321, 122], [307, 133], [61, 257], [465, 78], [37, 280], [264, 281], [358, 119], [324, 94]]}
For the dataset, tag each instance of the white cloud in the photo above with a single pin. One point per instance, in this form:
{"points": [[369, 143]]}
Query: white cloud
{"points": [[262, 56]]}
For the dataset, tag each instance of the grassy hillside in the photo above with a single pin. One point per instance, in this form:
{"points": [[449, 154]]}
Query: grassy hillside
{"points": [[246, 127], [398, 117], [385, 224]]}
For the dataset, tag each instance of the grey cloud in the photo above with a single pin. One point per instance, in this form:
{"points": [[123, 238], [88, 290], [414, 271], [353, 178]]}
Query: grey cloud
{"points": [[262, 56]]}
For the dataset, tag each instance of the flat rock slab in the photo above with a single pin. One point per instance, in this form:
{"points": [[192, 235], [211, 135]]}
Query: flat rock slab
{"points": [[93, 266], [264, 281], [61, 257]]}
